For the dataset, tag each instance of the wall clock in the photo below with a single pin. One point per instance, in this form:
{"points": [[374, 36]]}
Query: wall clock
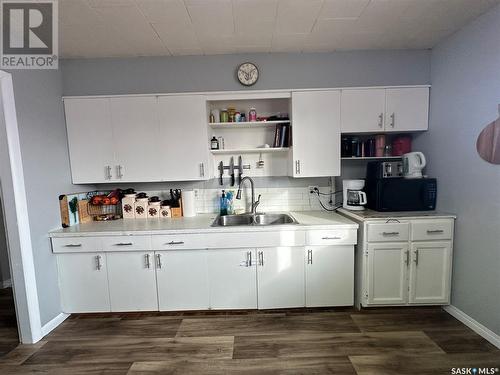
{"points": [[247, 74]]}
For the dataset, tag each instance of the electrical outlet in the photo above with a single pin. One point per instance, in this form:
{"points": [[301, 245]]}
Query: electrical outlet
{"points": [[196, 193], [313, 189]]}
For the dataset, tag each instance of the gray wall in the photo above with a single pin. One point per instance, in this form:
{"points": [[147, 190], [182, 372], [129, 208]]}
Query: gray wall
{"points": [[464, 98], [211, 73], [44, 152], [4, 257]]}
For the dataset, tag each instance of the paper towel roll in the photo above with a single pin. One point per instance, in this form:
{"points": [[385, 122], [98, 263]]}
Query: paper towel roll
{"points": [[188, 204]]}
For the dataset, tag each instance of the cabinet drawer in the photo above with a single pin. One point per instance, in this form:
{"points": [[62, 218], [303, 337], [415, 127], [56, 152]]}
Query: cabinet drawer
{"points": [[331, 237], [179, 241], [75, 244], [387, 232], [432, 230], [126, 243]]}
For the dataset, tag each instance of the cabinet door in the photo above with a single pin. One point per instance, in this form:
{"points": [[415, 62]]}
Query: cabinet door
{"points": [[329, 275], [90, 140], [430, 272], [183, 129], [280, 277], [182, 280], [132, 281], [387, 273], [407, 109], [316, 133], [136, 137], [83, 282], [363, 110], [232, 279]]}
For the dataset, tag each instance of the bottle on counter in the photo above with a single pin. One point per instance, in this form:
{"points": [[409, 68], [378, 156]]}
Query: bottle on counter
{"points": [[223, 204]]}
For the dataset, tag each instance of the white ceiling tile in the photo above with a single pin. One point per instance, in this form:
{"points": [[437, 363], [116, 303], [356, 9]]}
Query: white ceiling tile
{"points": [[110, 3], [77, 12], [288, 42], [342, 8], [297, 16], [252, 16], [164, 11], [186, 51], [176, 37], [213, 19]]}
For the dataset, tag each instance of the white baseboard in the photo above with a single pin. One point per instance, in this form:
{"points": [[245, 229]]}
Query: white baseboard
{"points": [[6, 283], [477, 327], [54, 323]]}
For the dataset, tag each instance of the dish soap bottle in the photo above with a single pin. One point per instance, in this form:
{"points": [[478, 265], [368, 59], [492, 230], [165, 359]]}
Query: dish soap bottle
{"points": [[223, 204], [214, 143]]}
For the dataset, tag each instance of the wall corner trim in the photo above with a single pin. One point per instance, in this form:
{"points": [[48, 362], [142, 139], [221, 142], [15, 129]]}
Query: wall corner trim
{"points": [[473, 324], [54, 323]]}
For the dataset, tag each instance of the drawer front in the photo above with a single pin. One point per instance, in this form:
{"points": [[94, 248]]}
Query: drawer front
{"points": [[126, 243], [388, 232], [331, 237], [75, 244], [432, 230], [229, 240]]}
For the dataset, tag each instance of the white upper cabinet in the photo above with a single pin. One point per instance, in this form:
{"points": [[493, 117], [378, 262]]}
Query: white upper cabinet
{"points": [[90, 139], [316, 133], [363, 110], [183, 135], [407, 109], [385, 110], [137, 140]]}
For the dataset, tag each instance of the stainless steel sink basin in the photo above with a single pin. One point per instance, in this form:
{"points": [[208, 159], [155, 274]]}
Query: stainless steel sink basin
{"points": [[249, 219]]}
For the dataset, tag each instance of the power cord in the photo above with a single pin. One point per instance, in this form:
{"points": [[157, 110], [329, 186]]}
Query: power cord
{"points": [[318, 195]]}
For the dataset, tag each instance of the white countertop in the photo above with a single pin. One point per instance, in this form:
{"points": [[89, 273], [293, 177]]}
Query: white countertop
{"points": [[408, 215], [200, 224]]}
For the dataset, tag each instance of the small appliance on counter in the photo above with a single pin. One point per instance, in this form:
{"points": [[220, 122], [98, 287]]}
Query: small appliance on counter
{"points": [[413, 163], [388, 190], [354, 196]]}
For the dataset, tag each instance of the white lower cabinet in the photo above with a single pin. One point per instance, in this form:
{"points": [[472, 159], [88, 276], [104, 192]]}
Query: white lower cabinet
{"points": [[83, 281], [329, 276], [430, 272], [232, 279], [387, 273], [182, 280], [132, 281], [280, 277]]}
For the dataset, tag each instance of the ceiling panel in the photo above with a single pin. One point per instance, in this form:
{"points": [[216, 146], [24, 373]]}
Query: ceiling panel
{"points": [[106, 28]]}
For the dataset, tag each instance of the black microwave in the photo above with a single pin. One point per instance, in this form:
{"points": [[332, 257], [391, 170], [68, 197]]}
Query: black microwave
{"points": [[401, 194]]}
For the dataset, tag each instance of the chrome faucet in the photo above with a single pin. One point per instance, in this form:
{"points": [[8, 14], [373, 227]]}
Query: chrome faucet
{"points": [[254, 203]]}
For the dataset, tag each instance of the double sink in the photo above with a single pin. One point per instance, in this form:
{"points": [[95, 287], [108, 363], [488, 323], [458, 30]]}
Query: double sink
{"points": [[253, 219]]}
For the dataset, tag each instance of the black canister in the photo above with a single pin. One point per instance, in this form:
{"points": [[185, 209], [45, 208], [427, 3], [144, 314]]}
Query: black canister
{"points": [[356, 148], [346, 148], [370, 147]]}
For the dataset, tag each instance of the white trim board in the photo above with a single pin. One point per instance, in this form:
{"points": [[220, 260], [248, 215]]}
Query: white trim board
{"points": [[6, 283], [473, 324], [54, 323]]}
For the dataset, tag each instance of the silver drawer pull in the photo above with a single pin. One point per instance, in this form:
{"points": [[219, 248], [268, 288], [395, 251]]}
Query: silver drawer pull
{"points": [[175, 243], [331, 238], [124, 244], [435, 231], [390, 233], [73, 245]]}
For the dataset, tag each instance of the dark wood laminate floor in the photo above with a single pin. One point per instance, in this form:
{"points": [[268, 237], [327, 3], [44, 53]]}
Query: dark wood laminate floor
{"points": [[300, 341], [8, 325]]}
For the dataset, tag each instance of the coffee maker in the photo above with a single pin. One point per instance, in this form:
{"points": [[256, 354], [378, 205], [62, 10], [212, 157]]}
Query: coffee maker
{"points": [[354, 196]]}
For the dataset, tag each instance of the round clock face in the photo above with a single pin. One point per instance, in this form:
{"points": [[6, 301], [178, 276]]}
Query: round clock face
{"points": [[247, 74]]}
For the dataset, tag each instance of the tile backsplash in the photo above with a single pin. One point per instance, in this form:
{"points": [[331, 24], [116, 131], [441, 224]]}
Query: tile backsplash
{"points": [[272, 199]]}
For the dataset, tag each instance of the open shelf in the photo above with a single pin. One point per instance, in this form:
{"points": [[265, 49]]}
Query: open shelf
{"points": [[372, 158], [250, 150], [246, 124]]}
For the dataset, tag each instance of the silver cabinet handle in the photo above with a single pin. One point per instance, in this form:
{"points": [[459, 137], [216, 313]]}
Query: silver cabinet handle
{"points": [[298, 165], [435, 231], [175, 243], [158, 261], [381, 120], [124, 244], [261, 258], [148, 263], [331, 238], [249, 259], [202, 170], [416, 257], [309, 257], [73, 245], [407, 260], [98, 262], [107, 171], [393, 119], [390, 233], [119, 173]]}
